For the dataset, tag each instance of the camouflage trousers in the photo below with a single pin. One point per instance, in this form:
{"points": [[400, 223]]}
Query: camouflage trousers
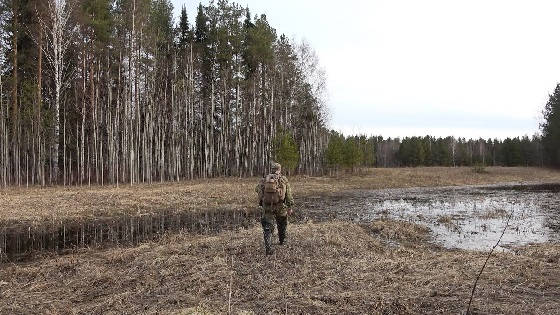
{"points": [[269, 216]]}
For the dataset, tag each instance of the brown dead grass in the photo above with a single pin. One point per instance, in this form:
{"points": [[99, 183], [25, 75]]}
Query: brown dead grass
{"points": [[494, 214], [39, 204], [327, 268]]}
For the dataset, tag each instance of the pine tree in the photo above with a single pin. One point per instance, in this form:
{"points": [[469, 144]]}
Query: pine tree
{"points": [[352, 155], [184, 32], [286, 151], [335, 151], [551, 128]]}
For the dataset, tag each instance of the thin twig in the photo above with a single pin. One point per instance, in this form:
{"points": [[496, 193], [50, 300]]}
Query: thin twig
{"points": [[487, 258], [230, 285]]}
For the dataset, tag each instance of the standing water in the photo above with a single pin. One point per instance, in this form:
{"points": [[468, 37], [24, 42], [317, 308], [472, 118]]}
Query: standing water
{"points": [[460, 217]]}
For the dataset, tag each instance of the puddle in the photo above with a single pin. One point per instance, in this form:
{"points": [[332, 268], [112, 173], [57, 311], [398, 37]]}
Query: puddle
{"points": [[459, 217]]}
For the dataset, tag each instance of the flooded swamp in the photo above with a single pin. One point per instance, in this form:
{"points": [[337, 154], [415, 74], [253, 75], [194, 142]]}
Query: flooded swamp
{"points": [[459, 217], [467, 217]]}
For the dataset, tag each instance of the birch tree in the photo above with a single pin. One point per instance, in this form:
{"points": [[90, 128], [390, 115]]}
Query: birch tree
{"points": [[58, 37]]}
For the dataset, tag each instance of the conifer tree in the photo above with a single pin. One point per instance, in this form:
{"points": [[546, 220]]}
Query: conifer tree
{"points": [[335, 151], [184, 30], [286, 151], [551, 128], [352, 155]]}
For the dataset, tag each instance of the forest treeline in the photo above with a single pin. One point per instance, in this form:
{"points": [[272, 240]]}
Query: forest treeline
{"points": [[109, 91], [361, 151]]}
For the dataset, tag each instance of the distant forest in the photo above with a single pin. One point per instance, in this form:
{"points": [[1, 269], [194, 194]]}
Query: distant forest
{"points": [[361, 151], [117, 91]]}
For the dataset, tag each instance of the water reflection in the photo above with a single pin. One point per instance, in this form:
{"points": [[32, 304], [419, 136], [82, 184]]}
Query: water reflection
{"points": [[466, 217]]}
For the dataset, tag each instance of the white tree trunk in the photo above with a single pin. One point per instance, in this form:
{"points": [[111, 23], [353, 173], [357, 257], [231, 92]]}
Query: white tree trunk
{"points": [[59, 33]]}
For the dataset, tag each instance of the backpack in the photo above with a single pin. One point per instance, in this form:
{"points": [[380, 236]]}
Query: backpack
{"points": [[274, 191]]}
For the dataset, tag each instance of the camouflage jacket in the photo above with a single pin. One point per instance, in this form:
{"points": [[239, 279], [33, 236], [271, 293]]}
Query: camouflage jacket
{"points": [[286, 204]]}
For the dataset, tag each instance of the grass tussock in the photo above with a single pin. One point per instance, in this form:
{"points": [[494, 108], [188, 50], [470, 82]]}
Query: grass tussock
{"points": [[331, 267], [400, 232], [480, 169], [449, 222], [34, 205], [494, 214], [544, 252]]}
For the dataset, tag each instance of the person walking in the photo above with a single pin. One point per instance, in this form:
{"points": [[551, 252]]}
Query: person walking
{"points": [[276, 202]]}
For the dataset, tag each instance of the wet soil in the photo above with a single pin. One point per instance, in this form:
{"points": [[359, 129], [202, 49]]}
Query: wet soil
{"points": [[468, 217]]}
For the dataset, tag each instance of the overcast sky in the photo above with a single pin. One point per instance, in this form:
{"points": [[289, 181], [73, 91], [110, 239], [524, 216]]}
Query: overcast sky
{"points": [[468, 68]]}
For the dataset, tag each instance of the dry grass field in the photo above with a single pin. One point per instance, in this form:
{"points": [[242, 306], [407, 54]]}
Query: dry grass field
{"points": [[328, 268], [39, 204], [386, 267]]}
